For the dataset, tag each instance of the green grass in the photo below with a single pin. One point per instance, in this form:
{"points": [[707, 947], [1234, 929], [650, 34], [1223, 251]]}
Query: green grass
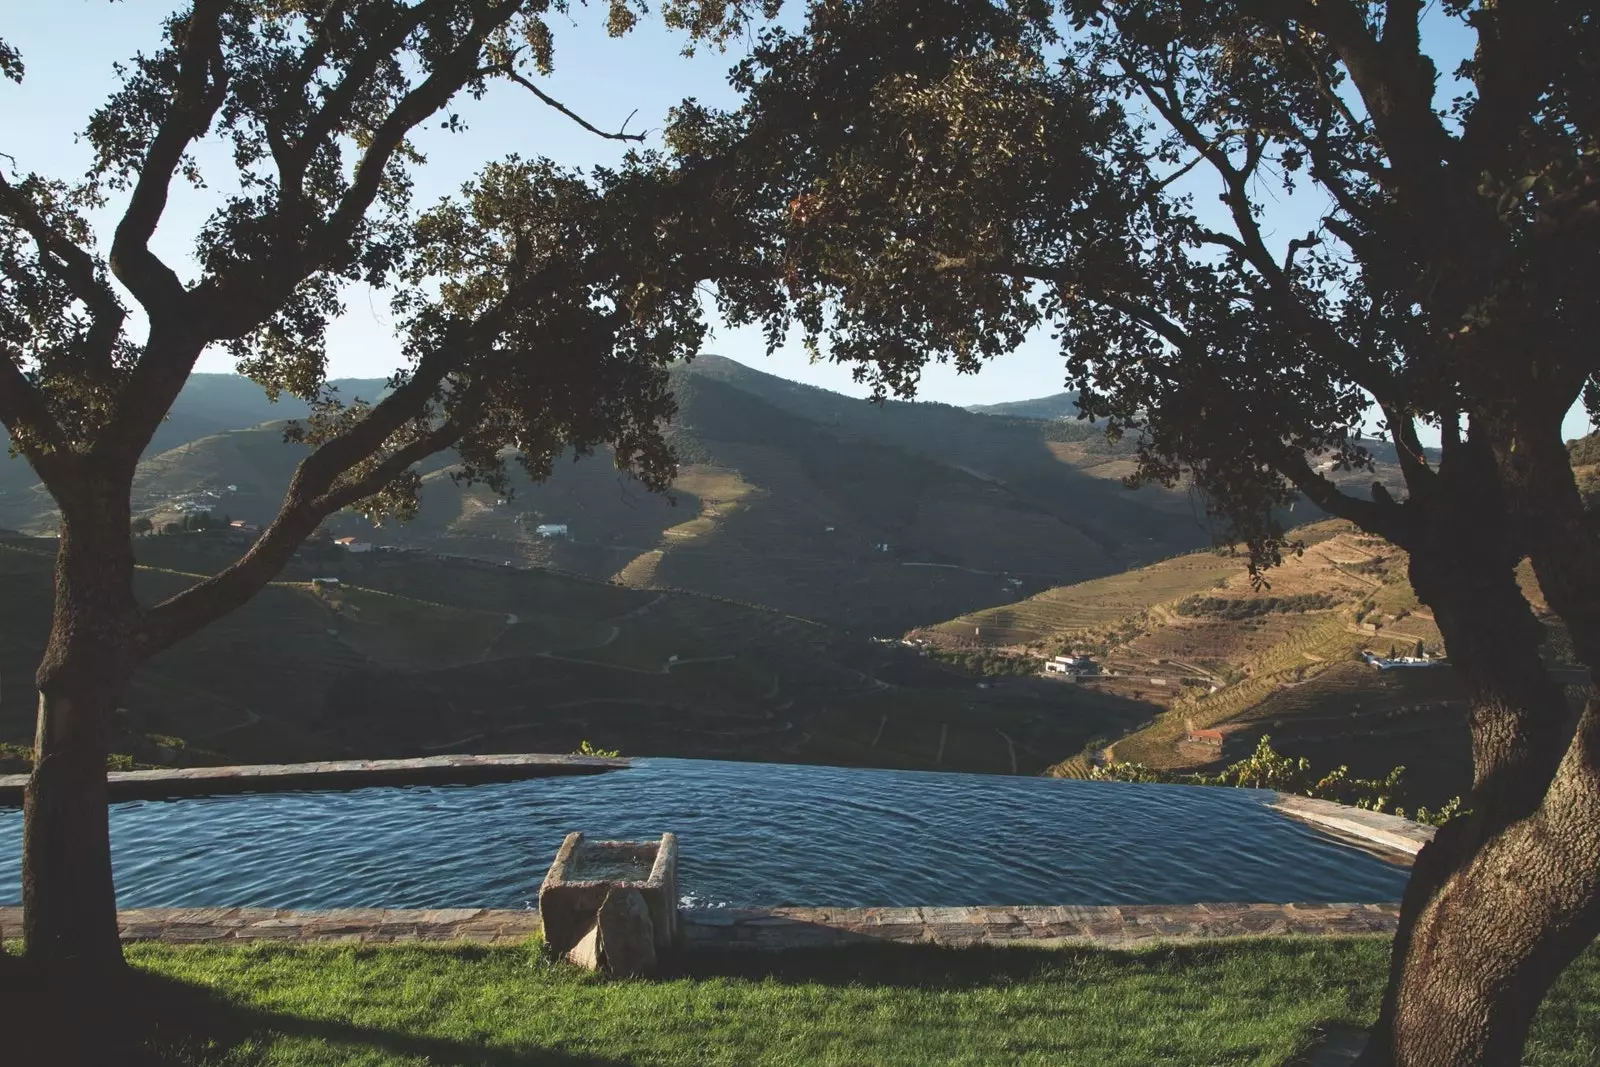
{"points": [[1242, 1002]]}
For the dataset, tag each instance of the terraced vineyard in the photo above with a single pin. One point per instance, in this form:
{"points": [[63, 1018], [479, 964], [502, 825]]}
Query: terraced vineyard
{"points": [[1058, 615], [1306, 651], [1192, 642]]}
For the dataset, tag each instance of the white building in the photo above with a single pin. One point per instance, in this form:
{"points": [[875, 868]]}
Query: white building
{"points": [[552, 529], [1072, 665]]}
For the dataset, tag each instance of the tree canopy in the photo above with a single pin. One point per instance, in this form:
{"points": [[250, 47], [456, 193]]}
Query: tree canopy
{"points": [[960, 173], [943, 177], [539, 309]]}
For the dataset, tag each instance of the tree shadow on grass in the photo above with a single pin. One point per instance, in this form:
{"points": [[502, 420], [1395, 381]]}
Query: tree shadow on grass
{"points": [[923, 966], [149, 1020]]}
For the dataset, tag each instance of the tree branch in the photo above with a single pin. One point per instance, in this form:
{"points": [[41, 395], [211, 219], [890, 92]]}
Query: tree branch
{"points": [[315, 491], [202, 88], [338, 102], [434, 92], [1387, 74], [1420, 478], [63, 257], [312, 497], [1249, 245], [232, 306], [1381, 518], [35, 432], [565, 110]]}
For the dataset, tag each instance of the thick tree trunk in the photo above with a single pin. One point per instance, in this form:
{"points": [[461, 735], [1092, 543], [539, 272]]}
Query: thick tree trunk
{"points": [[68, 897], [1482, 951], [1504, 899]]}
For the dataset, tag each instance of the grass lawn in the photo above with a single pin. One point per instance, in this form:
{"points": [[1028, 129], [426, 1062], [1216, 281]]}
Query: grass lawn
{"points": [[1244, 1002]]}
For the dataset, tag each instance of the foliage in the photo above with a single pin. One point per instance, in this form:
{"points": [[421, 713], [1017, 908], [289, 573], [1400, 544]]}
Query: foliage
{"points": [[586, 749], [988, 663], [1250, 607], [1585, 451], [1267, 769], [538, 310], [1003, 161]]}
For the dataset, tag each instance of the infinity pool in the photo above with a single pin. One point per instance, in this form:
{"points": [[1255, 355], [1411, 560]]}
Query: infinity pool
{"points": [[750, 834]]}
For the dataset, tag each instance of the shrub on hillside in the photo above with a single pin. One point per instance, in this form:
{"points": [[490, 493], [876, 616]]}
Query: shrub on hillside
{"points": [[989, 664], [1266, 768], [1585, 450], [1251, 607]]}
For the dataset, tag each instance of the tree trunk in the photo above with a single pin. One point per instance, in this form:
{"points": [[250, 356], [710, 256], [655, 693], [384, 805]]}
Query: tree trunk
{"points": [[68, 897], [1502, 900], [1482, 951]]}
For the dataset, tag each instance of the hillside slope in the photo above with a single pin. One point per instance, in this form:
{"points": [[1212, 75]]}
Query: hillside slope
{"points": [[412, 655], [1191, 636], [872, 517], [210, 404]]}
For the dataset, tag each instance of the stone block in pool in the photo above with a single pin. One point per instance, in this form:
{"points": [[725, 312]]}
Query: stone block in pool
{"points": [[585, 871]]}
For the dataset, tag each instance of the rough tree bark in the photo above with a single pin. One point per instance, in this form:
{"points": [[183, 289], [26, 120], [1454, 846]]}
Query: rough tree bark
{"points": [[1503, 900], [69, 901]]}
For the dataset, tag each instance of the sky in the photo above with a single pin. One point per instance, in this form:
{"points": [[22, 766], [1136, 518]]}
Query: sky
{"points": [[70, 46]]}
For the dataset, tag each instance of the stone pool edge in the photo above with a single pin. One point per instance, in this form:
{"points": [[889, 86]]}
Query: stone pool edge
{"points": [[332, 774], [771, 929], [1388, 832]]}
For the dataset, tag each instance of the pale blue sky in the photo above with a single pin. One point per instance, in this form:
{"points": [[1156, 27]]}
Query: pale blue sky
{"points": [[69, 47]]}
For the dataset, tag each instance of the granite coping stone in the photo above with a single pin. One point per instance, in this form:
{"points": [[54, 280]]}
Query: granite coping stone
{"points": [[1374, 827], [332, 774], [770, 928]]}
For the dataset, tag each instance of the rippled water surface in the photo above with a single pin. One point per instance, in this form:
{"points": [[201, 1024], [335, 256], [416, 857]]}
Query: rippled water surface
{"points": [[749, 834]]}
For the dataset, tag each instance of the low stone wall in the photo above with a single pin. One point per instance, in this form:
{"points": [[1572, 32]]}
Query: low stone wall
{"points": [[336, 774], [771, 929]]}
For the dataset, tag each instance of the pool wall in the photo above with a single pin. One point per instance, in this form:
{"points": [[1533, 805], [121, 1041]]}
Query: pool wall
{"points": [[1379, 829], [336, 774], [774, 929]]}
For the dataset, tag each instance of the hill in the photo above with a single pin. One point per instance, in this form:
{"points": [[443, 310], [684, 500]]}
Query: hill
{"points": [[1190, 635], [1055, 406], [872, 517], [412, 655]]}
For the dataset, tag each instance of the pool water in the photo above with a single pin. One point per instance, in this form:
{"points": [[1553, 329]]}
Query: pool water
{"points": [[592, 864], [749, 834]]}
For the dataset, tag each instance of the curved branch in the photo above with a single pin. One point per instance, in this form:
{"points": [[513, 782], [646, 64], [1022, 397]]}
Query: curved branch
{"points": [[1420, 478], [434, 92], [1380, 517], [1387, 74], [67, 260], [312, 497], [232, 306], [567, 111], [203, 85], [35, 432], [1250, 246]]}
